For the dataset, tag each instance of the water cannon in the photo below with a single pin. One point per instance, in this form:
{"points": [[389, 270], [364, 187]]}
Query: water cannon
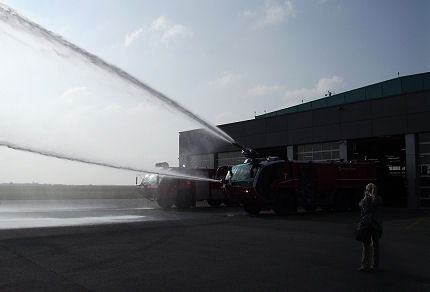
{"points": [[251, 153], [248, 152], [239, 146]]}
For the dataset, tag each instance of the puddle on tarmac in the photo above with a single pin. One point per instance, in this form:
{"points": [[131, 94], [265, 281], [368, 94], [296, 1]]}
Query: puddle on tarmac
{"points": [[16, 214], [17, 223]]}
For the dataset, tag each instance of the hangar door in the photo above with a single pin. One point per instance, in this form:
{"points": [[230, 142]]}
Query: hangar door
{"points": [[390, 154], [424, 169]]}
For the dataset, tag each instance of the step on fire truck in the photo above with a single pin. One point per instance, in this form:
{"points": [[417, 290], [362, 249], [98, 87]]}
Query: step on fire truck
{"points": [[183, 193], [283, 185]]}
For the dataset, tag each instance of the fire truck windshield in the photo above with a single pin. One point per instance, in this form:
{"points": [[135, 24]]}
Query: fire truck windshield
{"points": [[149, 179], [242, 173]]}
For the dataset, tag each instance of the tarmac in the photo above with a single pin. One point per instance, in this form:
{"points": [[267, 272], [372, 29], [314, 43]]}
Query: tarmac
{"points": [[214, 249]]}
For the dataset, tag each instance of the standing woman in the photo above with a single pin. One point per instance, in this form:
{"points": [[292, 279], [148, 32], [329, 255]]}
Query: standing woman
{"points": [[371, 216]]}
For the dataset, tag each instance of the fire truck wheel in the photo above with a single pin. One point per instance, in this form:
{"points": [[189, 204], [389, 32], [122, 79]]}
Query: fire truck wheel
{"points": [[310, 207], [341, 201], [356, 197], [230, 203], [184, 199], [326, 207], [214, 203], [286, 204], [163, 203], [281, 210], [252, 209]]}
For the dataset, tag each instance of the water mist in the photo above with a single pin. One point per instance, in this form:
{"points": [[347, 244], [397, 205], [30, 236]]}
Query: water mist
{"points": [[64, 102]]}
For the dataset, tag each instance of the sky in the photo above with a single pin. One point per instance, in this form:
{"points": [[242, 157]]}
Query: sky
{"points": [[226, 61]]}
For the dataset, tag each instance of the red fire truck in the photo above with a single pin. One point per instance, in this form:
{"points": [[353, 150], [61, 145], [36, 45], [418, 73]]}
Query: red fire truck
{"points": [[181, 192], [283, 186]]}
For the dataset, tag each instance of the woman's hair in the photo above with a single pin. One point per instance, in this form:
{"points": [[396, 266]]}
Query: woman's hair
{"points": [[371, 189]]}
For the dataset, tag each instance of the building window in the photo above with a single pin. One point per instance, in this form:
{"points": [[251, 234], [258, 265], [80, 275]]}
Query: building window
{"points": [[318, 152], [230, 158], [199, 161], [424, 170]]}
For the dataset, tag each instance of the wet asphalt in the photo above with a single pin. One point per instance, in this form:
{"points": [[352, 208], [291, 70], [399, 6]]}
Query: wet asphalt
{"points": [[130, 245]]}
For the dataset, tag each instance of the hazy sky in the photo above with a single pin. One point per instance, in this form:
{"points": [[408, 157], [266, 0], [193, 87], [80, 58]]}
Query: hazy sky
{"points": [[224, 60]]}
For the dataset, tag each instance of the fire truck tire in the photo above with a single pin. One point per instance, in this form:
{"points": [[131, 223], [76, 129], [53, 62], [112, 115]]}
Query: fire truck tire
{"points": [[252, 209], [214, 203], [230, 203], [327, 200], [356, 197], [326, 207], [184, 199], [310, 207], [286, 204], [342, 201], [164, 203]]}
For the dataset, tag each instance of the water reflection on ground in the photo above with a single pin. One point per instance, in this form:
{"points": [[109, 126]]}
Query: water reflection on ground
{"points": [[15, 214]]}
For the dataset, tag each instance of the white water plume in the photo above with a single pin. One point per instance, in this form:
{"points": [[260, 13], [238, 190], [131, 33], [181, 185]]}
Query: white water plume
{"points": [[174, 174], [60, 98]]}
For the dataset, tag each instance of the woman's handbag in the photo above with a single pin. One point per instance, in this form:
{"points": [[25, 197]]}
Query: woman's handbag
{"points": [[363, 233]]}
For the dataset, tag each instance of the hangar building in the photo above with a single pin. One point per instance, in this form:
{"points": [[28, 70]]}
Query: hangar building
{"points": [[386, 122]]}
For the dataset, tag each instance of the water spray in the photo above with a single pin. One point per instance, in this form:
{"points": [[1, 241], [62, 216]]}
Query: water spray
{"points": [[93, 162], [13, 18]]}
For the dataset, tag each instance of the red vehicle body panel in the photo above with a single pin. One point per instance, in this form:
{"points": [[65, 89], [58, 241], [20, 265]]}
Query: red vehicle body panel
{"points": [[182, 192], [336, 185]]}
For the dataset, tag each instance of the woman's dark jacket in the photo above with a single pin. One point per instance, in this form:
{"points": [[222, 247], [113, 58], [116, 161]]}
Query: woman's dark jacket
{"points": [[371, 212]]}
